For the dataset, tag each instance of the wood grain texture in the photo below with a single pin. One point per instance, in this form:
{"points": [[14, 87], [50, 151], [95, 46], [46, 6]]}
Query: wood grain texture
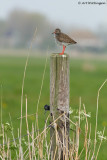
{"points": [[59, 104]]}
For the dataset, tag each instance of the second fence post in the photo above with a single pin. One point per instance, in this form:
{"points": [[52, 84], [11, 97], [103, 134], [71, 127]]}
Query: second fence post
{"points": [[59, 106]]}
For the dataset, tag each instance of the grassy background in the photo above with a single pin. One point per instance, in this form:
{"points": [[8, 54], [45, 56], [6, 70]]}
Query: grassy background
{"points": [[86, 76]]}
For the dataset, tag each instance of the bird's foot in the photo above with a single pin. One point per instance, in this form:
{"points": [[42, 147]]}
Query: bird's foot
{"points": [[62, 50], [61, 53]]}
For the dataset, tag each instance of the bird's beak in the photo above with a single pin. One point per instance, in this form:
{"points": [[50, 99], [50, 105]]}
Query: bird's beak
{"points": [[53, 33]]}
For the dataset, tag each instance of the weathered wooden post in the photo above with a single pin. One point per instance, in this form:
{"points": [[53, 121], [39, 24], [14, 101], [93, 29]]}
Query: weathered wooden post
{"points": [[59, 106]]}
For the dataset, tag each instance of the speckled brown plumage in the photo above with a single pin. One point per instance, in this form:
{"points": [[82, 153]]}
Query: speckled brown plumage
{"points": [[63, 39]]}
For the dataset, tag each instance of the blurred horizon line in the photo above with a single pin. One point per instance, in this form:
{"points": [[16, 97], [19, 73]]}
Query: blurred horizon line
{"points": [[17, 30]]}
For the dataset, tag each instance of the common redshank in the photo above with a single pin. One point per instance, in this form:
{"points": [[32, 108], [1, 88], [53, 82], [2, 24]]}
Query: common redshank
{"points": [[63, 39]]}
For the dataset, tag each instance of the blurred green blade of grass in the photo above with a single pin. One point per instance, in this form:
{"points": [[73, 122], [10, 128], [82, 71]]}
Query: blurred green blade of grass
{"points": [[86, 76]]}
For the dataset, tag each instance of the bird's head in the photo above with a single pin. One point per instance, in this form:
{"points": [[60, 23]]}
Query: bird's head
{"points": [[57, 31]]}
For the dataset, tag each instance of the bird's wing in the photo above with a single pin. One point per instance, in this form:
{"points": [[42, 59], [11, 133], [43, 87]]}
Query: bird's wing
{"points": [[65, 38]]}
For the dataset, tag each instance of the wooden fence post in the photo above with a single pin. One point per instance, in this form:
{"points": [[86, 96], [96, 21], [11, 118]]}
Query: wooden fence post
{"points": [[59, 106]]}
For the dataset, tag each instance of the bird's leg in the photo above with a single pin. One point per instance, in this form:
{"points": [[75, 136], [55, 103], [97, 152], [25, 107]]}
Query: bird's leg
{"points": [[62, 50]]}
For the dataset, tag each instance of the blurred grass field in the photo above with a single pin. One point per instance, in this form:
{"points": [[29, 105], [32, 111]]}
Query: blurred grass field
{"points": [[86, 76]]}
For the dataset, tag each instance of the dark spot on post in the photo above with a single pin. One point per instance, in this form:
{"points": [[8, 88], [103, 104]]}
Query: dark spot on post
{"points": [[47, 107]]}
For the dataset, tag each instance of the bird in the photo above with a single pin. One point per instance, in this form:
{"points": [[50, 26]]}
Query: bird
{"points": [[63, 39]]}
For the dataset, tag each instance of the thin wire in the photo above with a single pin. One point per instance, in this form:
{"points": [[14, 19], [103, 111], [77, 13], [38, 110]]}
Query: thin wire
{"points": [[15, 139], [34, 131]]}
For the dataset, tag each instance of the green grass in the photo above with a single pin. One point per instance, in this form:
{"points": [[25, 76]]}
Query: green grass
{"points": [[86, 76]]}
